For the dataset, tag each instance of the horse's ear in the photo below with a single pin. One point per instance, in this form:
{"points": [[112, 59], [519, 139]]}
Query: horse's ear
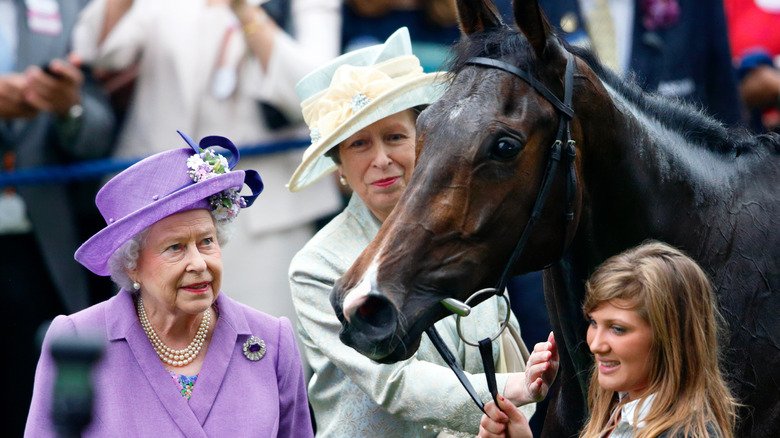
{"points": [[476, 15], [533, 23]]}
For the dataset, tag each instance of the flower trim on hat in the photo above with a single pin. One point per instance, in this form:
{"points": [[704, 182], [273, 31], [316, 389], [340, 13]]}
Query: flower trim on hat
{"points": [[208, 164], [351, 89], [359, 101], [315, 135]]}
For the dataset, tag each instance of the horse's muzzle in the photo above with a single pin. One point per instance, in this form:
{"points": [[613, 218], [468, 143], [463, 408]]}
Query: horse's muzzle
{"points": [[369, 324]]}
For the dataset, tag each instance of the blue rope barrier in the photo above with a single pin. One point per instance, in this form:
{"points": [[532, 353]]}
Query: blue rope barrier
{"points": [[97, 168]]}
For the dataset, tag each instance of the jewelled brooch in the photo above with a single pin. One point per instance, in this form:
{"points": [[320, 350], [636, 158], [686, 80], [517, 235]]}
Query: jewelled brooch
{"points": [[254, 348], [358, 101], [315, 135]]}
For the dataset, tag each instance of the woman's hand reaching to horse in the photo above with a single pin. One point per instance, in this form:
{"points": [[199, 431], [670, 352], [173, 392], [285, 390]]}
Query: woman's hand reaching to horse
{"points": [[510, 423], [532, 385]]}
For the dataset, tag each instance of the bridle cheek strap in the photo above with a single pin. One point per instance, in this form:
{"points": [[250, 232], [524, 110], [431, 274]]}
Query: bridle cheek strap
{"points": [[563, 137], [486, 351]]}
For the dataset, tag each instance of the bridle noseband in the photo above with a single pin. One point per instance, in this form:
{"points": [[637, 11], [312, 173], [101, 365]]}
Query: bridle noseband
{"points": [[563, 137]]}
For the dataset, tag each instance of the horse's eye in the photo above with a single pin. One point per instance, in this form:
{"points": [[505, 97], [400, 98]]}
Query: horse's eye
{"points": [[505, 149]]}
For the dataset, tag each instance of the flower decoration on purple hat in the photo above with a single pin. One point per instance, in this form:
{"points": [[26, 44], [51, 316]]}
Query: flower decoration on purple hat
{"points": [[206, 165], [659, 14], [254, 348]]}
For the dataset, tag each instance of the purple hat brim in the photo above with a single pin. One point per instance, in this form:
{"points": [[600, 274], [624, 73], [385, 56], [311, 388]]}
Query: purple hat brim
{"points": [[95, 252]]}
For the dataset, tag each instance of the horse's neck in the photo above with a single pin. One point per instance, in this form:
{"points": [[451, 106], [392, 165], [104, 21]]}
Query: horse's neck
{"points": [[649, 174], [666, 154]]}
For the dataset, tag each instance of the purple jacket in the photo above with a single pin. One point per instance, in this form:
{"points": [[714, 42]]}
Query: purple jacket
{"points": [[136, 396]]}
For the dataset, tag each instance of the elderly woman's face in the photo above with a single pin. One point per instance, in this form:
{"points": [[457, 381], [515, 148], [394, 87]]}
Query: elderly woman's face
{"points": [[378, 160], [180, 264]]}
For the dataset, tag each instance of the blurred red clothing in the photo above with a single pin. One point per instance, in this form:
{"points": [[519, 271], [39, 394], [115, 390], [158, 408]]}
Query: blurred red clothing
{"points": [[754, 36], [753, 24]]}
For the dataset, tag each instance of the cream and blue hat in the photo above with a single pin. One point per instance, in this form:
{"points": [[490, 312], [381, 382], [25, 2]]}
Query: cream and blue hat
{"points": [[355, 90]]}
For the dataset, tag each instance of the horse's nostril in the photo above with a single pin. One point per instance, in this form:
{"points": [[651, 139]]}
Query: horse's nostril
{"points": [[375, 317], [370, 307], [375, 308]]}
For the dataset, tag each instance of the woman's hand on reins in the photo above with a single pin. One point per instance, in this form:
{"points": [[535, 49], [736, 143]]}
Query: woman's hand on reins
{"points": [[509, 423], [541, 368]]}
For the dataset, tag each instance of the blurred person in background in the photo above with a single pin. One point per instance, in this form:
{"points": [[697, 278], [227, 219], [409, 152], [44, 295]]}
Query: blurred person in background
{"points": [[672, 47], [207, 67], [754, 33], [432, 24], [51, 112]]}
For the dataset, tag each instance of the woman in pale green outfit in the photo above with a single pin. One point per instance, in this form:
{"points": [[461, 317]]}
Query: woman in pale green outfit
{"points": [[361, 110]]}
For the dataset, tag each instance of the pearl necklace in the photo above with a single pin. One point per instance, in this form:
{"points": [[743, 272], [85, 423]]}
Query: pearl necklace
{"points": [[168, 355]]}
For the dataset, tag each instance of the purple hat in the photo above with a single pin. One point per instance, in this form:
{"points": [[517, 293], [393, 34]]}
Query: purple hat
{"points": [[163, 184]]}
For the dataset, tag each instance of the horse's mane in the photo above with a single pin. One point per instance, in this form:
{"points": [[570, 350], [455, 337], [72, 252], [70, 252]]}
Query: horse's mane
{"points": [[691, 122]]}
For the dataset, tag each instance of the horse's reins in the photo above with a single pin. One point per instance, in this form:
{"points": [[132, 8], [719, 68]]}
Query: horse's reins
{"points": [[563, 136]]}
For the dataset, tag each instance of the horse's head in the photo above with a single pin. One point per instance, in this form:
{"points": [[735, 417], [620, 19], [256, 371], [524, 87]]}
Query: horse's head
{"points": [[483, 151]]}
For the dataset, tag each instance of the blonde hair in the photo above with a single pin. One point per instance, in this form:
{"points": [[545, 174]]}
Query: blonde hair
{"points": [[671, 292]]}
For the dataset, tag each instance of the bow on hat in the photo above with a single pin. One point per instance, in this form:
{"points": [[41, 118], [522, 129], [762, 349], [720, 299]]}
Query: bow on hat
{"points": [[251, 177]]}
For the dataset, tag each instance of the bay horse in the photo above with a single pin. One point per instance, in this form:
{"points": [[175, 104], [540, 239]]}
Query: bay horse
{"points": [[642, 167]]}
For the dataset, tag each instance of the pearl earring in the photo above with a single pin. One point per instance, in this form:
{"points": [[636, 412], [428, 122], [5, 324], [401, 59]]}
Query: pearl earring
{"points": [[342, 180], [136, 285]]}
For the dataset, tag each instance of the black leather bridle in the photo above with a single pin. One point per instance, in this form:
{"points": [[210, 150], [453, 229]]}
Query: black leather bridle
{"points": [[563, 142]]}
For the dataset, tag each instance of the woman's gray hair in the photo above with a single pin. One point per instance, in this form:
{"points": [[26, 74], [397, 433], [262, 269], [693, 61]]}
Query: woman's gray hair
{"points": [[126, 257]]}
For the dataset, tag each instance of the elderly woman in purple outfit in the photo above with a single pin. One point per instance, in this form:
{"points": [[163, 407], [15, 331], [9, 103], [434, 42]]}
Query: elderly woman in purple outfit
{"points": [[180, 357]]}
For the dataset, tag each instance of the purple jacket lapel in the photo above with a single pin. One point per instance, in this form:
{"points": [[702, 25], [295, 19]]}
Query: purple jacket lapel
{"points": [[230, 325], [128, 327]]}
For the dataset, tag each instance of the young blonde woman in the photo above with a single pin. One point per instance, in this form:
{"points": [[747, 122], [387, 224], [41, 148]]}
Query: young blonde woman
{"points": [[653, 330]]}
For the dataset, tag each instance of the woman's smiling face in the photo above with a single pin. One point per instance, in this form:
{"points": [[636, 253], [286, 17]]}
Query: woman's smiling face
{"points": [[621, 342], [378, 160], [180, 264]]}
